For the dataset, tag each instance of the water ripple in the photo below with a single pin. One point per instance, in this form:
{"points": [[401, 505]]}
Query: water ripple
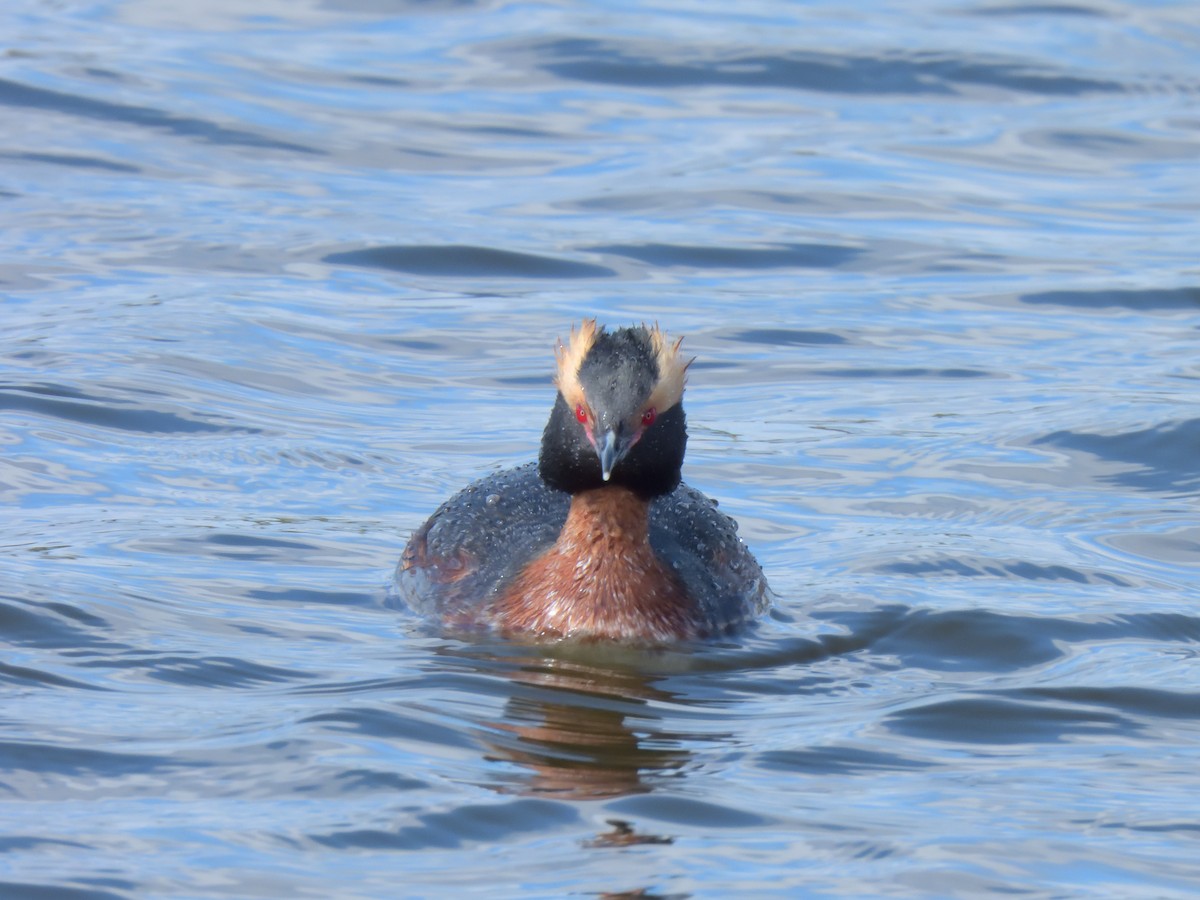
{"points": [[215, 672], [997, 721], [50, 624], [13, 93], [632, 63], [1164, 458], [466, 262], [789, 256], [69, 404], [835, 760], [490, 823], [35, 891], [54, 759], [1184, 298]]}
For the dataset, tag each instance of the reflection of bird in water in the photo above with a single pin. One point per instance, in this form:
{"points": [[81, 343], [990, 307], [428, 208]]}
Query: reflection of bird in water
{"points": [[640, 894], [568, 726], [624, 835], [600, 539]]}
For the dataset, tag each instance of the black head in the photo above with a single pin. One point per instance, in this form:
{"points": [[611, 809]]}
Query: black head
{"points": [[618, 418]]}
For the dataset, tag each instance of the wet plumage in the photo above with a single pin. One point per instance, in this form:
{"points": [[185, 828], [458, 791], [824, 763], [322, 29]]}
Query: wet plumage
{"points": [[599, 540]]}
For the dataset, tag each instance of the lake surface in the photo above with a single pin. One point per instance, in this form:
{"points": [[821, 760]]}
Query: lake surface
{"points": [[278, 278]]}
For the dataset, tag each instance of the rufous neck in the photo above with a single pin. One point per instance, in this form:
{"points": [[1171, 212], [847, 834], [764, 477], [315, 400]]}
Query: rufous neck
{"points": [[609, 513]]}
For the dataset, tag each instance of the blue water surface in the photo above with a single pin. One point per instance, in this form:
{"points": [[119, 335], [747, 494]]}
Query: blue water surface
{"points": [[278, 278]]}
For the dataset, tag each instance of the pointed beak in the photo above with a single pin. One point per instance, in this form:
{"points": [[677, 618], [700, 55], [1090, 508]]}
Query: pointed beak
{"points": [[610, 453]]}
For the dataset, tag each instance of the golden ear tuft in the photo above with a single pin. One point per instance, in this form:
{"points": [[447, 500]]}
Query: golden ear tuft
{"points": [[570, 358], [672, 370]]}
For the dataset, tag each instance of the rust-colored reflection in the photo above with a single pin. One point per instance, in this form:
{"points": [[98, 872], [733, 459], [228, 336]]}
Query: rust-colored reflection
{"points": [[582, 731], [623, 834]]}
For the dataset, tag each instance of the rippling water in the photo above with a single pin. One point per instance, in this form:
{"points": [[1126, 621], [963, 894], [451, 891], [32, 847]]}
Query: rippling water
{"points": [[278, 278]]}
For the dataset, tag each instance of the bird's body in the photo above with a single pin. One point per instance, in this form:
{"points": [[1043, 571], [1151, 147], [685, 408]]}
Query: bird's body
{"points": [[599, 540]]}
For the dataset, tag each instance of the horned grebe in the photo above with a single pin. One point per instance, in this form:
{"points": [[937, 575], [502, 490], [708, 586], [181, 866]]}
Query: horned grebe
{"points": [[599, 539]]}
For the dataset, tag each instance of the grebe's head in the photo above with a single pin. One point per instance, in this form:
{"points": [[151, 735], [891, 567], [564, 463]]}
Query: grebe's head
{"points": [[618, 418]]}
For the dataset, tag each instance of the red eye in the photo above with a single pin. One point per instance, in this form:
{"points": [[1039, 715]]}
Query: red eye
{"points": [[648, 417], [581, 414]]}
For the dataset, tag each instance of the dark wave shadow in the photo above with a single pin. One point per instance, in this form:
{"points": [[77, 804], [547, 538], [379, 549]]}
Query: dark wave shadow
{"points": [[79, 762], [25, 890], [391, 723], [983, 641], [1045, 715], [15, 94], [786, 256], [74, 161], [54, 626], [1146, 301], [209, 672], [1130, 701], [989, 567], [1108, 144], [975, 640], [1005, 10], [835, 759], [51, 625], [1167, 455], [1000, 721], [875, 373], [29, 677], [249, 546], [688, 811], [640, 64], [308, 596], [379, 8], [786, 337], [68, 404], [468, 824], [462, 261]]}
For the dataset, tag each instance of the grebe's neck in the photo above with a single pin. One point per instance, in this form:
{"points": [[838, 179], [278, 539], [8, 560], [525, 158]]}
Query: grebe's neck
{"points": [[601, 578], [607, 517]]}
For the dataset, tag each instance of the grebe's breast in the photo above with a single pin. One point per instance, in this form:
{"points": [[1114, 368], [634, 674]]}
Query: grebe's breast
{"points": [[481, 539]]}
